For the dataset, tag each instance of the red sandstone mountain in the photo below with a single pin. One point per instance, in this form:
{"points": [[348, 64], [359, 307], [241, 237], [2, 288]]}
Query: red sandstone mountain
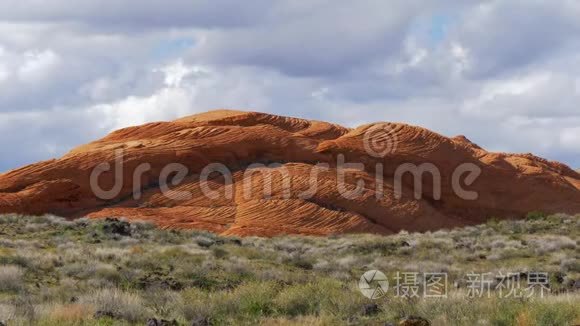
{"points": [[509, 185]]}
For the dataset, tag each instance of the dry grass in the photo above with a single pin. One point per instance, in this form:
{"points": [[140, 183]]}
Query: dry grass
{"points": [[10, 278], [58, 272], [71, 313]]}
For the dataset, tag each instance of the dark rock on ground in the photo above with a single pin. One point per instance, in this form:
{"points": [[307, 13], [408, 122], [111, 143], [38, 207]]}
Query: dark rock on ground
{"points": [[205, 242], [574, 285], [116, 226], [161, 322], [103, 314], [560, 277], [201, 321], [414, 321], [236, 242], [370, 309]]}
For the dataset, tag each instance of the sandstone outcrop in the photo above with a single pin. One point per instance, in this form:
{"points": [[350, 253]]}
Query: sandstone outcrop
{"points": [[291, 152]]}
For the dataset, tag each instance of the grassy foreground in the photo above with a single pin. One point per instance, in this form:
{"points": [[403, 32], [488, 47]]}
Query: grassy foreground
{"points": [[58, 272]]}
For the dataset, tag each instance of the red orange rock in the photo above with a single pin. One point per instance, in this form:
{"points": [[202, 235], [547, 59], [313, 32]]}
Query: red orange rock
{"points": [[509, 186]]}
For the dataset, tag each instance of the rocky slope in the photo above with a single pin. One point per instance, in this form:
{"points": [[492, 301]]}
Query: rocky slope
{"points": [[508, 186]]}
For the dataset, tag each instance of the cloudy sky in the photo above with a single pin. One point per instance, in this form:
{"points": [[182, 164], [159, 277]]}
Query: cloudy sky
{"points": [[506, 73]]}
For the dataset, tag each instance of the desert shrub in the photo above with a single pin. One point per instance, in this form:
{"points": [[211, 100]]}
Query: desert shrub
{"points": [[435, 243], [253, 299], [79, 270], [506, 312], [553, 313], [24, 307], [239, 266], [162, 302], [282, 276], [108, 273], [142, 227], [510, 253], [167, 237], [11, 219], [535, 216], [197, 304], [35, 227], [123, 305], [377, 247], [65, 292], [287, 244], [301, 299], [113, 254], [571, 265], [248, 302], [252, 253], [15, 260], [493, 222], [549, 244], [203, 280], [350, 261], [299, 261], [336, 298], [11, 278], [219, 253]]}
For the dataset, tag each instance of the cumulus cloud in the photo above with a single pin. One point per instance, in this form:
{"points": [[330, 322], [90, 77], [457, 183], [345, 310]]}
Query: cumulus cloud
{"points": [[570, 138], [501, 72], [504, 36], [538, 94], [319, 39], [37, 66]]}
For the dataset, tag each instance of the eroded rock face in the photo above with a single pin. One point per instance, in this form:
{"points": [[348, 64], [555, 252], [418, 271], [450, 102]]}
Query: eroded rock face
{"points": [[509, 185]]}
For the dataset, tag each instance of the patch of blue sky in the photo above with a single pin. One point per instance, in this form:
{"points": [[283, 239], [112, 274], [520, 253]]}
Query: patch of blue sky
{"points": [[440, 24], [434, 29], [170, 48]]}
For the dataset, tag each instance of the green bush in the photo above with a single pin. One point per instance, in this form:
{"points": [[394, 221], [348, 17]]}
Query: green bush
{"points": [[535, 216]]}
